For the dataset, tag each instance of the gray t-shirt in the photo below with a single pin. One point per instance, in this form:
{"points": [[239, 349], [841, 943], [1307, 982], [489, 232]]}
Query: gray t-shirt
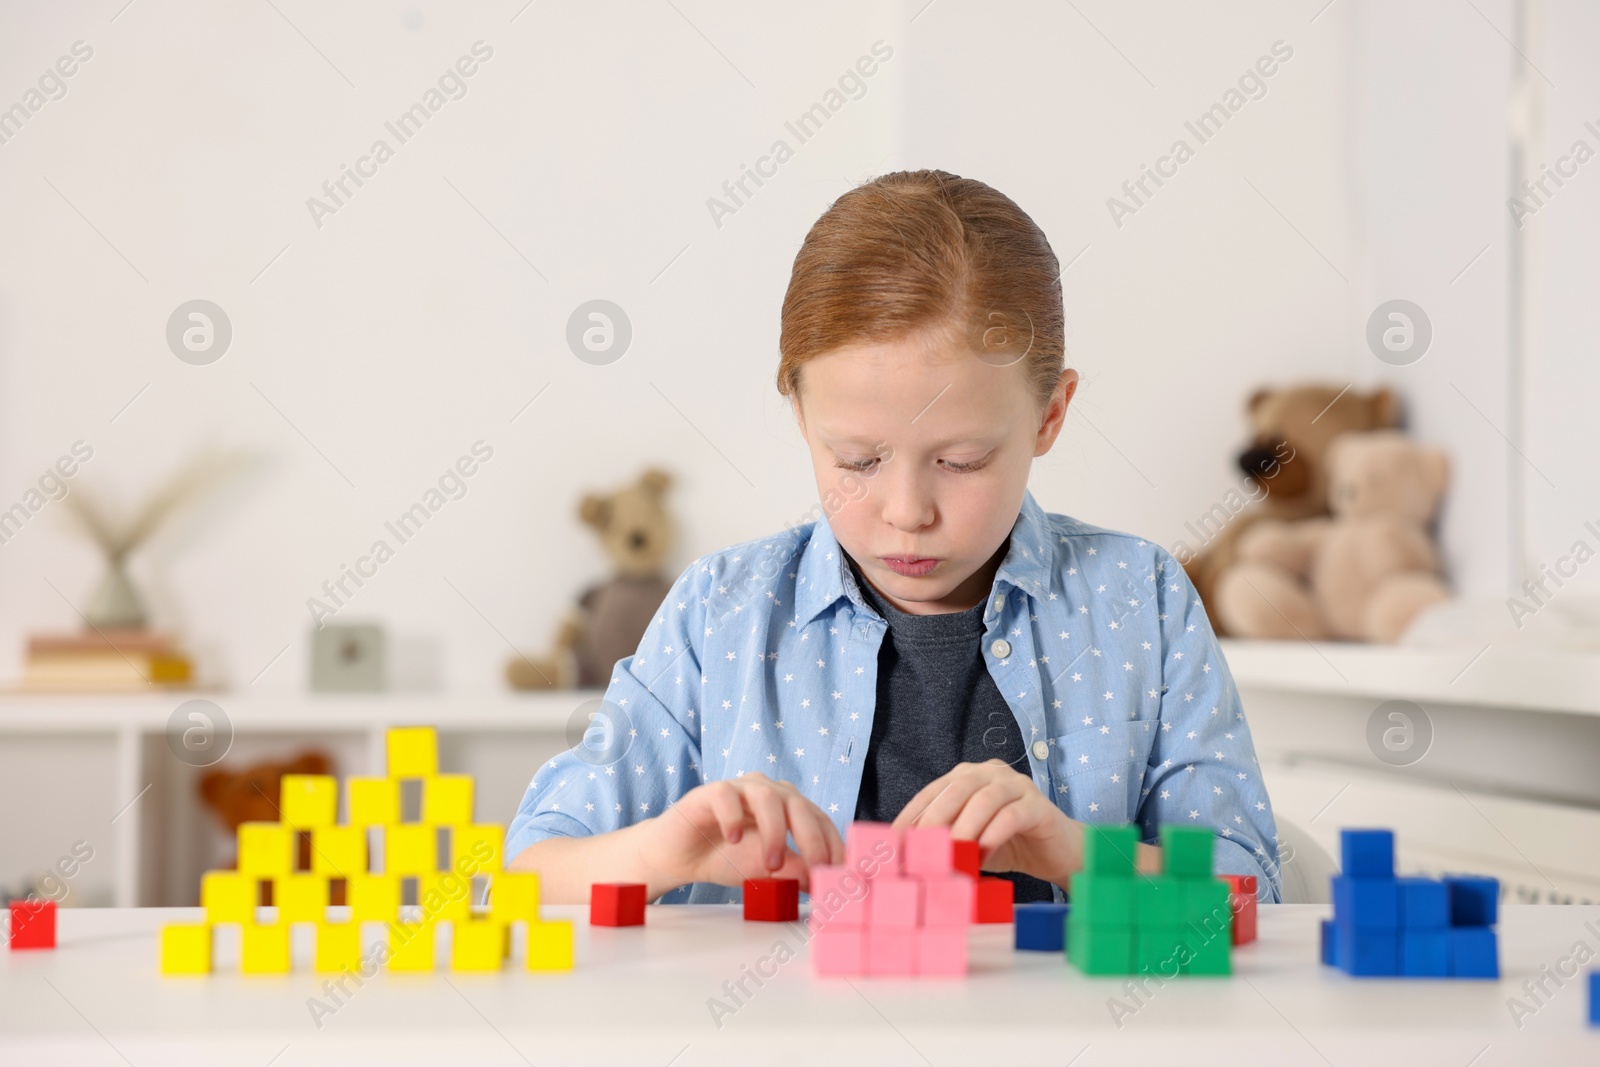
{"points": [[937, 706]]}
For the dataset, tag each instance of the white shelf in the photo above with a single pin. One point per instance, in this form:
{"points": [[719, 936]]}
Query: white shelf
{"points": [[1560, 681], [22, 712]]}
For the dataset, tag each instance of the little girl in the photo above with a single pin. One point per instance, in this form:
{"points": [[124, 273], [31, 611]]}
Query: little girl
{"points": [[936, 649]]}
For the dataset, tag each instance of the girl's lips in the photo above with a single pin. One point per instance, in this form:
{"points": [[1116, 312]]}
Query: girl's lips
{"points": [[910, 568]]}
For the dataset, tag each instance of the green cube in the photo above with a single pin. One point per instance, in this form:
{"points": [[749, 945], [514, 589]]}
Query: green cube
{"points": [[1160, 950], [1099, 949], [1207, 906], [1210, 953], [1102, 900], [1159, 900], [1110, 849], [1186, 851]]}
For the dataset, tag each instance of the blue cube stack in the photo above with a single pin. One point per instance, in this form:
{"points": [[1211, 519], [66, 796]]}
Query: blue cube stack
{"points": [[1407, 927], [1040, 927]]}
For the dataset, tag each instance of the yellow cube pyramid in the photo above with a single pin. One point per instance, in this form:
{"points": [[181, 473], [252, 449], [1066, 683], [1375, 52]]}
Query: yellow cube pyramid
{"points": [[269, 852]]}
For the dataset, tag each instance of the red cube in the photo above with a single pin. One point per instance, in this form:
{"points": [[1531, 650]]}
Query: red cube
{"points": [[33, 924], [966, 857], [1242, 902], [616, 904], [771, 900], [993, 901]]}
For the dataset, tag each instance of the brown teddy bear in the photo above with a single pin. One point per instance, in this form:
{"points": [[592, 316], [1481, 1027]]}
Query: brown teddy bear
{"points": [[1363, 574], [1284, 470], [637, 533]]}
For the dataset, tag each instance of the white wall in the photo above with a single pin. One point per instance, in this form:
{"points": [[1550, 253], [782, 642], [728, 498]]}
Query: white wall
{"points": [[378, 347], [1563, 376]]}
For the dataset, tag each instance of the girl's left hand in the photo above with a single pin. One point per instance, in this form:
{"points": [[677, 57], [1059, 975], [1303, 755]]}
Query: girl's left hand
{"points": [[1016, 826]]}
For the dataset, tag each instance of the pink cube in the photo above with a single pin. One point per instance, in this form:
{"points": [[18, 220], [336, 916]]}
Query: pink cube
{"points": [[895, 901], [947, 899], [839, 950], [942, 950], [872, 848], [928, 850], [838, 897], [892, 950]]}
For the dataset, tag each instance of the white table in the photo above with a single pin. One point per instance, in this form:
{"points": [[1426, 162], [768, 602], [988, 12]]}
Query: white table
{"points": [[639, 996]]}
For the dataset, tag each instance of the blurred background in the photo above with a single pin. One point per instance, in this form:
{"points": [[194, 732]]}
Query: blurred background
{"points": [[241, 344]]}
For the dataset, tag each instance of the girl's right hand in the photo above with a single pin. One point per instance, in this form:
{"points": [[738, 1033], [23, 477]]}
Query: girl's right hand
{"points": [[736, 828]]}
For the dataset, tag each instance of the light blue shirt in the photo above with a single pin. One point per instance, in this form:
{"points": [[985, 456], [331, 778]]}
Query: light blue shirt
{"points": [[764, 657]]}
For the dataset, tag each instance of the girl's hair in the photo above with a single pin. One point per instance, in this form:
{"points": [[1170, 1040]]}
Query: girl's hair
{"points": [[924, 249]]}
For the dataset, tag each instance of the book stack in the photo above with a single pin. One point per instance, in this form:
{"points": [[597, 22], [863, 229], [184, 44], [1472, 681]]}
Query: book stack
{"points": [[104, 660]]}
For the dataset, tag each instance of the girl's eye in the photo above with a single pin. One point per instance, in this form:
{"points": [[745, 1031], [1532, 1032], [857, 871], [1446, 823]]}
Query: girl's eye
{"points": [[964, 468], [860, 466]]}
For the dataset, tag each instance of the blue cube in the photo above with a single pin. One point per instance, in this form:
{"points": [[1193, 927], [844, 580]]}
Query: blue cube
{"points": [[1474, 952], [1474, 900], [1328, 942], [1594, 998], [1367, 953], [1041, 927], [1425, 953], [1368, 903], [1367, 853], [1424, 904]]}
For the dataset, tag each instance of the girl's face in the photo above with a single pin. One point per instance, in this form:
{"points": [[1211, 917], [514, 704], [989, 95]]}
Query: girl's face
{"points": [[922, 451]]}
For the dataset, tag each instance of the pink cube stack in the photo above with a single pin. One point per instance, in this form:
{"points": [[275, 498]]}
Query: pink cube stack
{"points": [[897, 907]]}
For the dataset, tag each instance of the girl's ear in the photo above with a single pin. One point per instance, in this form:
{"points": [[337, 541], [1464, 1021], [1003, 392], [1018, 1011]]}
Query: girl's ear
{"points": [[1055, 411]]}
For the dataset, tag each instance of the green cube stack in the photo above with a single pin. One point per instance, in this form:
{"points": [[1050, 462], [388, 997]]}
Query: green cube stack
{"points": [[1175, 922]]}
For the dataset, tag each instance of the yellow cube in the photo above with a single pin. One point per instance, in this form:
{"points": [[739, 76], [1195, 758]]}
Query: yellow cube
{"points": [[338, 946], [308, 801], [411, 848], [373, 897], [445, 896], [514, 896], [411, 946], [339, 851], [550, 945], [476, 849], [266, 849], [413, 752], [447, 800], [301, 898], [374, 802], [186, 949], [229, 897], [479, 945], [265, 949]]}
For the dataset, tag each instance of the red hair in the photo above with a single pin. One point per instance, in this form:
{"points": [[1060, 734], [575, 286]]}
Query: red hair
{"points": [[920, 250]]}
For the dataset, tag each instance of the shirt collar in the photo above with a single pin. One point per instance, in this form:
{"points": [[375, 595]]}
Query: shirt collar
{"points": [[825, 576]]}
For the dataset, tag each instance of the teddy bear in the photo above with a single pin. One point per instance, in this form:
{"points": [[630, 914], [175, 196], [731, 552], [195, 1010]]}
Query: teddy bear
{"points": [[637, 532], [1284, 471], [1362, 574]]}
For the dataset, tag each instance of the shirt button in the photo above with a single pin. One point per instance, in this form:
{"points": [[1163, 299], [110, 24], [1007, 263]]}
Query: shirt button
{"points": [[1001, 648], [999, 601], [1041, 750]]}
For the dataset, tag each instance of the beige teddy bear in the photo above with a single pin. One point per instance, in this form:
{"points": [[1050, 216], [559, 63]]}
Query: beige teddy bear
{"points": [[637, 532], [1363, 574]]}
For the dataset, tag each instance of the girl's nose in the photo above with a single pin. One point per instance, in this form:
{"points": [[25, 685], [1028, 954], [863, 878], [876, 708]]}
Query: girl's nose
{"points": [[907, 503]]}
